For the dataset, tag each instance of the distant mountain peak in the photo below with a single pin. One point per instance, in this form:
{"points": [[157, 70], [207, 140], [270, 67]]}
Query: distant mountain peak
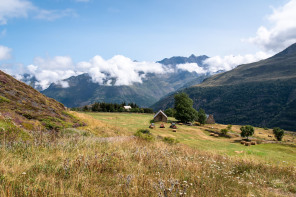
{"points": [[175, 60]]}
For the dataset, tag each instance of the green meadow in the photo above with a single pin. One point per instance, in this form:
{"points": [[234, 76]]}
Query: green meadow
{"points": [[199, 137]]}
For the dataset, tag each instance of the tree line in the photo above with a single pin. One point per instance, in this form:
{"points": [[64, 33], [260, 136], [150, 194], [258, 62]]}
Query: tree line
{"points": [[113, 107]]}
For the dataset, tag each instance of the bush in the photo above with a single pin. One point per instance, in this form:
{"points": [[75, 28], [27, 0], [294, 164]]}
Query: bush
{"points": [[145, 131], [224, 132], [278, 133], [170, 140], [144, 134], [229, 127]]}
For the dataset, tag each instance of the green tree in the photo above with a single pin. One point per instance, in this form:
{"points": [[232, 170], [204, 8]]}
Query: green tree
{"points": [[170, 112], [85, 108], [184, 110], [278, 133], [201, 117], [247, 131]]}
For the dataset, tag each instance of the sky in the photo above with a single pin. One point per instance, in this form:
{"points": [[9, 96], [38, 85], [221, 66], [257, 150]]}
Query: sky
{"points": [[55, 39]]}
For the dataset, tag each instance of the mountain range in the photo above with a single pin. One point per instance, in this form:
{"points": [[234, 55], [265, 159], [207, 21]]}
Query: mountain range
{"points": [[83, 91], [261, 93]]}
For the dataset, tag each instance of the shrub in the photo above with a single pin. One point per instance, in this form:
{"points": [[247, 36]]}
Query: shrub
{"points": [[278, 133], [144, 134], [170, 140], [145, 131], [229, 127], [224, 132]]}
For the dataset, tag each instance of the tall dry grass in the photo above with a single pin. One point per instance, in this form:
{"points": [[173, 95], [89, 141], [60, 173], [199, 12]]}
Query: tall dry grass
{"points": [[79, 163]]}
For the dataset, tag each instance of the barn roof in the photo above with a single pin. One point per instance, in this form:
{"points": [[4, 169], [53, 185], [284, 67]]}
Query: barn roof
{"points": [[161, 113]]}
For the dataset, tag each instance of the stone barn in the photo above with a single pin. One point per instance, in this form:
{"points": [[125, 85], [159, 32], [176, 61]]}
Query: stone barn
{"points": [[160, 117], [210, 119]]}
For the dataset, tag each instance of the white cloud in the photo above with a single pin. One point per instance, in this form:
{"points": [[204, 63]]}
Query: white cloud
{"points": [[47, 77], [52, 70], [14, 9], [282, 31], [52, 15], [218, 63], [5, 53], [22, 9], [32, 69], [191, 67], [122, 69]]}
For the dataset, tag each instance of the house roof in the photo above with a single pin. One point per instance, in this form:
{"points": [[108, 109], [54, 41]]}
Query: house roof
{"points": [[161, 113], [127, 107]]}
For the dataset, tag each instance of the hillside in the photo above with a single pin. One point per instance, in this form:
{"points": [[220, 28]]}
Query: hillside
{"points": [[28, 109], [83, 91], [261, 93]]}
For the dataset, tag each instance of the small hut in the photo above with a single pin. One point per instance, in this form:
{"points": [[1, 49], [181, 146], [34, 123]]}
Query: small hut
{"points": [[160, 117], [210, 119]]}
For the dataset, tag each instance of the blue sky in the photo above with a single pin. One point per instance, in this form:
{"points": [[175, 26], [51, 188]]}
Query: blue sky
{"points": [[140, 30]]}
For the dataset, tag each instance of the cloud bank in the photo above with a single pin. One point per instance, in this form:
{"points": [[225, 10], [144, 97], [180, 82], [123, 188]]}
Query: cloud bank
{"points": [[282, 30], [226, 63], [121, 69], [192, 67]]}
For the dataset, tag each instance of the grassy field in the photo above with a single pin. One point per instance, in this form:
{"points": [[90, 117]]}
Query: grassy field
{"points": [[199, 138], [105, 159]]}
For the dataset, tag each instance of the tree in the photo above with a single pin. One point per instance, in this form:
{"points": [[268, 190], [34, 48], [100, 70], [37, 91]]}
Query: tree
{"points": [[170, 112], [201, 117], [85, 108], [184, 110], [247, 131], [278, 133]]}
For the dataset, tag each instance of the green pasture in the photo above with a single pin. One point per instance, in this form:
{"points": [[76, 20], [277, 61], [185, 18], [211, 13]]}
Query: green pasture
{"points": [[199, 138]]}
